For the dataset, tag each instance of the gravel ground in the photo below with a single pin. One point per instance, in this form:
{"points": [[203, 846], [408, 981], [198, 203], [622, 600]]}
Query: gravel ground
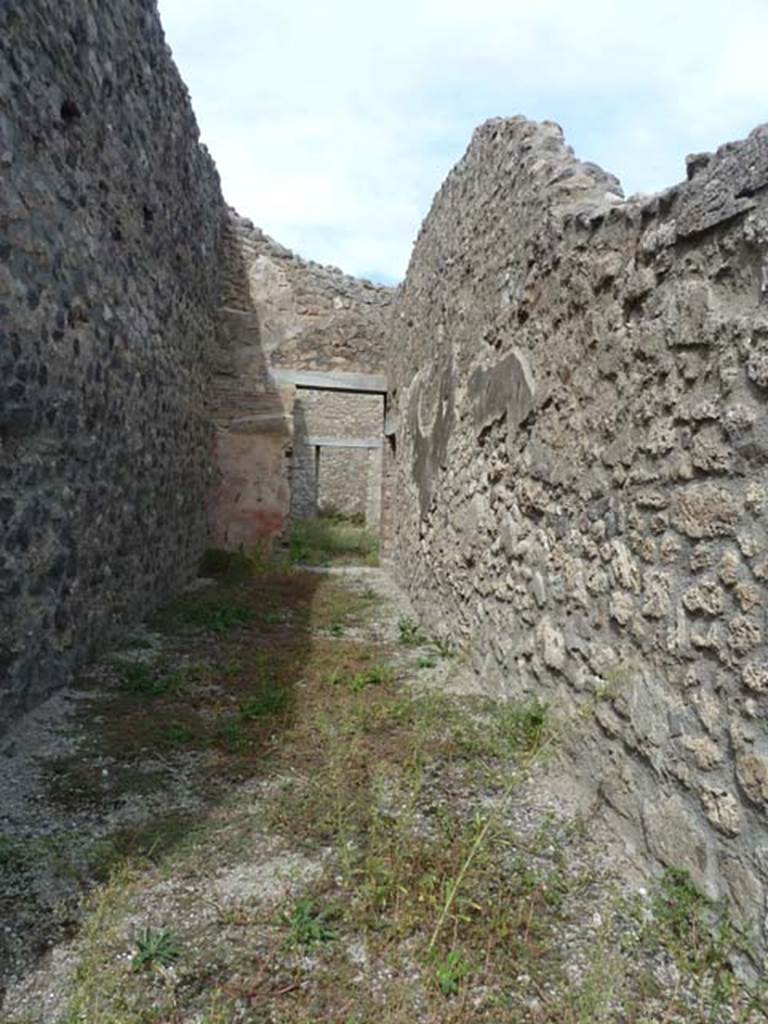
{"points": [[61, 794]]}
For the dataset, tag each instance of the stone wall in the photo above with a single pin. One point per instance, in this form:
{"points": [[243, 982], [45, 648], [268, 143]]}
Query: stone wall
{"points": [[582, 476], [110, 229], [342, 479], [282, 312], [311, 317]]}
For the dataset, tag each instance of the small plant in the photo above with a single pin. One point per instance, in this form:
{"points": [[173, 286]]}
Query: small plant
{"points": [[604, 691], [217, 612], [308, 925], [678, 906], [425, 661], [146, 680], [376, 675], [697, 932], [337, 629], [232, 669], [147, 842], [232, 733], [269, 702], [155, 948], [616, 678], [179, 734], [525, 726], [451, 972], [224, 618], [410, 633], [444, 647]]}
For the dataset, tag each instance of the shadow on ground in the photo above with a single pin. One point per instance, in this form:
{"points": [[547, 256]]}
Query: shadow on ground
{"points": [[128, 764]]}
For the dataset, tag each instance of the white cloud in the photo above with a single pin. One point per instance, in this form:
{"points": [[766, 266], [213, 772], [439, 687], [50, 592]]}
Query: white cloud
{"points": [[333, 124]]}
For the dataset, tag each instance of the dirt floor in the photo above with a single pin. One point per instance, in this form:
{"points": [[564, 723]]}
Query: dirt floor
{"points": [[281, 802]]}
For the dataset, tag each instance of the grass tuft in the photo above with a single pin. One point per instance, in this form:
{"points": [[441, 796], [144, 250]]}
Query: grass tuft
{"points": [[155, 948], [376, 675], [450, 973], [410, 634], [143, 679], [308, 925], [218, 612]]}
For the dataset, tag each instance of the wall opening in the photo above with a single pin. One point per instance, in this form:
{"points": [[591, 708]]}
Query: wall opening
{"points": [[337, 455]]}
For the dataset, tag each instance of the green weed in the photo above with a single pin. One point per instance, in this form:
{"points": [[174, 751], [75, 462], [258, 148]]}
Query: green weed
{"points": [[217, 612], [144, 679], [308, 925], [444, 647], [451, 972], [616, 677], [149, 842], [699, 934], [678, 905], [155, 948], [232, 733], [376, 675], [524, 726], [232, 669], [410, 634], [271, 701], [179, 734]]}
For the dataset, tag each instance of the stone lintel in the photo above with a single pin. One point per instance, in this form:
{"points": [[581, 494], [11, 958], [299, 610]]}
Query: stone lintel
{"points": [[344, 442], [366, 383]]}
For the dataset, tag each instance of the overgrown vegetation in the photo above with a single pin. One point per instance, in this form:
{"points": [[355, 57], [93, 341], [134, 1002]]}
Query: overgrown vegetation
{"points": [[238, 566], [332, 539], [698, 934], [373, 676], [152, 679], [366, 852]]}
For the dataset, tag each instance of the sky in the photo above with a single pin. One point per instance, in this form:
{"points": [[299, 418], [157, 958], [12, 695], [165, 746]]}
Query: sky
{"points": [[334, 122]]}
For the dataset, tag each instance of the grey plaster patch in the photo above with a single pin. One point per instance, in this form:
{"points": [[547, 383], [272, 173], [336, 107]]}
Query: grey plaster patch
{"points": [[504, 389]]}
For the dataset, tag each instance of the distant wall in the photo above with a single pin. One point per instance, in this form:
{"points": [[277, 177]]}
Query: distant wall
{"points": [[341, 479], [582, 476], [280, 311], [109, 256], [311, 317]]}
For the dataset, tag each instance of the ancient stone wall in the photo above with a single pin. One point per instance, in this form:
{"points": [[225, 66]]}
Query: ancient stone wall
{"points": [[282, 312], [110, 224], [311, 317], [343, 479], [582, 476]]}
